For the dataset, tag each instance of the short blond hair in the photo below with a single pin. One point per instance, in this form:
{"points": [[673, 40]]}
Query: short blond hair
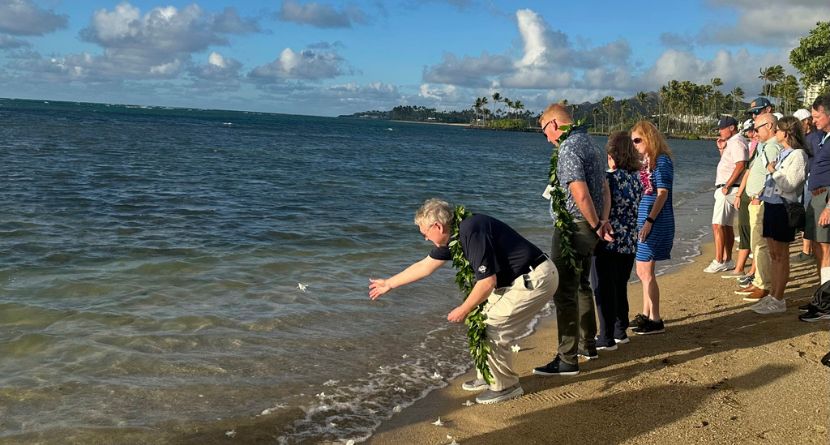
{"points": [[434, 210], [558, 112]]}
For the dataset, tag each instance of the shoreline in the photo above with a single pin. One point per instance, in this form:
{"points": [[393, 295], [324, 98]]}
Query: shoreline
{"points": [[702, 137], [716, 376]]}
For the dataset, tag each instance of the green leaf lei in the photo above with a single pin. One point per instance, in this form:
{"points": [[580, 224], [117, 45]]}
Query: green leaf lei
{"points": [[559, 202], [465, 279]]}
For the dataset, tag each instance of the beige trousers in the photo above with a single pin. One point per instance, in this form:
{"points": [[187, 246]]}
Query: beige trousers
{"points": [[758, 245], [509, 311]]}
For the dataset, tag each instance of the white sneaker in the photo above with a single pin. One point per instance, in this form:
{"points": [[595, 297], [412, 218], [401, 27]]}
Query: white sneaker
{"points": [[770, 305], [715, 267], [730, 264]]}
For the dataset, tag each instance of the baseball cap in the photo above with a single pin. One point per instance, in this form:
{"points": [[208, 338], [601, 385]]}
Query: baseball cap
{"points": [[778, 115], [748, 124], [727, 121], [801, 114], [758, 104]]}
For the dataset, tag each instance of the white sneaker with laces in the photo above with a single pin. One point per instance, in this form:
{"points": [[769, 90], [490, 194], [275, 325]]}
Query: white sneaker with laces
{"points": [[715, 267], [770, 305]]}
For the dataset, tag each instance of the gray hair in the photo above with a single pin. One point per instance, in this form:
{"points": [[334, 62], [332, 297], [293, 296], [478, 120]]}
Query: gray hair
{"points": [[434, 210]]}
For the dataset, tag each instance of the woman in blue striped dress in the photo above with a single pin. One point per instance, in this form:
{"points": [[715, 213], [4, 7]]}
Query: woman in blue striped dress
{"points": [[655, 221]]}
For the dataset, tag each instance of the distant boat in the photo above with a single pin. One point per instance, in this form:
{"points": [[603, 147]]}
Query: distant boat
{"points": [[227, 124], [390, 129]]}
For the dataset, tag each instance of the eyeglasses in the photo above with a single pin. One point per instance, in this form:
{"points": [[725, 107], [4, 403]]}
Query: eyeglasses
{"points": [[637, 141], [552, 121], [425, 232], [758, 127]]}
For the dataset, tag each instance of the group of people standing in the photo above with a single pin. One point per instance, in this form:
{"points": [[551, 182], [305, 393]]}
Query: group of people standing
{"points": [[772, 178], [619, 202]]}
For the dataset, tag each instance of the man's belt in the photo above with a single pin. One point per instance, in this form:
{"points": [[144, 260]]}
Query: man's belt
{"points": [[818, 191], [535, 263], [720, 186]]}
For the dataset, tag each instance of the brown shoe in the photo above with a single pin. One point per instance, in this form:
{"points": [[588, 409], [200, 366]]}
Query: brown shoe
{"points": [[756, 295], [747, 290]]}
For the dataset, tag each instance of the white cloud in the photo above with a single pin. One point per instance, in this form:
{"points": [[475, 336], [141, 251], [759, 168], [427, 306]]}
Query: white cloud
{"points": [[217, 69], [735, 69], [24, 18], [320, 15], [468, 71], [155, 45], [548, 60], [9, 42], [307, 64], [439, 92], [778, 25]]}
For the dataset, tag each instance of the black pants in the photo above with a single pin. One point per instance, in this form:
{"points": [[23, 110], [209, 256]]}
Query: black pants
{"points": [[613, 271], [575, 313]]}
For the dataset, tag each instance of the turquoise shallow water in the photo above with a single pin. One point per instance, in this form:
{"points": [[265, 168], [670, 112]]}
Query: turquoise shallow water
{"points": [[151, 261]]}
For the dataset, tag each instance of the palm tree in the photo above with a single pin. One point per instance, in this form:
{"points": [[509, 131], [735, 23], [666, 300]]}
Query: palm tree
{"points": [[607, 103], [496, 99], [641, 99], [716, 83], [771, 75], [737, 96]]}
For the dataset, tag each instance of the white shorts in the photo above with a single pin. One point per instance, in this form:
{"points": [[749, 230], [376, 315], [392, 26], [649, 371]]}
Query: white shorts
{"points": [[725, 212]]}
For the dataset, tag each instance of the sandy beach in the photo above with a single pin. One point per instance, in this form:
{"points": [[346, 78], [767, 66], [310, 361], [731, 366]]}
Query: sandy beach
{"points": [[720, 374]]}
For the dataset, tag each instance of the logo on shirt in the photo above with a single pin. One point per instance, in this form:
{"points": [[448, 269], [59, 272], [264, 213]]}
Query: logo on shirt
{"points": [[482, 269]]}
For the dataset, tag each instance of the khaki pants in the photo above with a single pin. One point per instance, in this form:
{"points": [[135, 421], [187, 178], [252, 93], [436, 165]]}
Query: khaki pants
{"points": [[509, 311], [758, 245]]}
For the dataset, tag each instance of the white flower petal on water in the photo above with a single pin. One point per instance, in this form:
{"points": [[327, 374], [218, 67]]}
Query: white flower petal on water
{"points": [[405, 356], [231, 433], [437, 376], [438, 422], [322, 395], [449, 437], [396, 409], [516, 348], [350, 442], [302, 286], [468, 403], [332, 424]]}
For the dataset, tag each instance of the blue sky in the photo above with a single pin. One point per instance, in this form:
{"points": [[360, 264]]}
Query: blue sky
{"points": [[329, 57]]}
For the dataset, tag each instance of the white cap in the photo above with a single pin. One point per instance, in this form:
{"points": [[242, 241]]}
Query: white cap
{"points": [[748, 124], [778, 115], [801, 114]]}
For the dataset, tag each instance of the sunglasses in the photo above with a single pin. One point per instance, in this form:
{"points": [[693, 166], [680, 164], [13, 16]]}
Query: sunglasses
{"points": [[758, 127], [552, 121], [637, 141]]}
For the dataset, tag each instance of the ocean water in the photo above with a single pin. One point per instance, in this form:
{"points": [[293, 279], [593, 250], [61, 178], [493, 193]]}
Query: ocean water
{"points": [[151, 262]]}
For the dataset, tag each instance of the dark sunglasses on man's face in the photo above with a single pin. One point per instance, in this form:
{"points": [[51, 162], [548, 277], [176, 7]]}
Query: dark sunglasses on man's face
{"points": [[552, 121], [758, 127]]}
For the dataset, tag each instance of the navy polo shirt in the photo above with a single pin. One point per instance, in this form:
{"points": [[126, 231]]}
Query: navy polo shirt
{"points": [[492, 248], [820, 167]]}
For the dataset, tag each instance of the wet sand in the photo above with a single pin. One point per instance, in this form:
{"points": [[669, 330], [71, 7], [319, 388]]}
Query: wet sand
{"points": [[720, 374]]}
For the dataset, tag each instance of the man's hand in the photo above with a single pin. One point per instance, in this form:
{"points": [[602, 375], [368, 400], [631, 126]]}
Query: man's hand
{"points": [[824, 217], [378, 287], [725, 190], [605, 232], [737, 203], [458, 314], [721, 143]]}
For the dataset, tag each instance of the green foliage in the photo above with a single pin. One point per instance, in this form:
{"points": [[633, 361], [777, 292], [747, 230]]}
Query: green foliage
{"points": [[465, 279], [559, 203], [812, 56]]}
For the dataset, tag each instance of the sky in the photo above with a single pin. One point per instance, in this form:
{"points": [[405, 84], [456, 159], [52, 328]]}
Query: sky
{"points": [[327, 58]]}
